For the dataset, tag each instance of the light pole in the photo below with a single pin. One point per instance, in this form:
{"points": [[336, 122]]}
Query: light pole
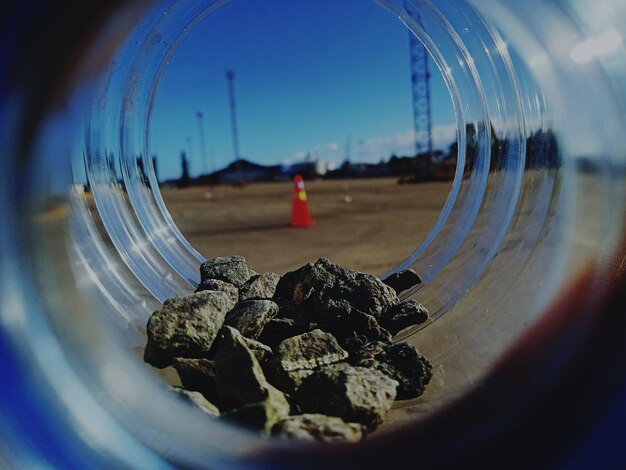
{"points": [[230, 76], [205, 165]]}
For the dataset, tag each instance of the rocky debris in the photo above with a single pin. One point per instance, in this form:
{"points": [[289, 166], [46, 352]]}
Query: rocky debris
{"points": [[251, 316], [185, 327], [309, 350], [317, 427], [232, 269], [221, 286], [403, 280], [314, 343], [263, 415], [198, 400], [399, 316], [197, 375], [403, 363], [261, 286], [354, 394], [238, 376]]}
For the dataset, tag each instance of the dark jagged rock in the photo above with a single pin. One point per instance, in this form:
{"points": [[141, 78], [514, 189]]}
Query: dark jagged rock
{"points": [[317, 427], [399, 316], [356, 330], [198, 400], [403, 280], [354, 394], [309, 350], [286, 292], [233, 269], [197, 375], [329, 311], [185, 327], [221, 286], [238, 375], [290, 321], [368, 351], [403, 363], [263, 415], [251, 316], [334, 284], [260, 287]]}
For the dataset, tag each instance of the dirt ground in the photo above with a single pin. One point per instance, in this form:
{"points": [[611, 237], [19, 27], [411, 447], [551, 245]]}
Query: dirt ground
{"points": [[368, 225]]}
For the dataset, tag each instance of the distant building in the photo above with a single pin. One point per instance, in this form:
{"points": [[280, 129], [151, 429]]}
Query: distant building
{"points": [[244, 171], [307, 169]]}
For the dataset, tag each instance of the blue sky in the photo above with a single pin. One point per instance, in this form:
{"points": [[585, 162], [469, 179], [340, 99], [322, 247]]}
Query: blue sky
{"points": [[310, 76]]}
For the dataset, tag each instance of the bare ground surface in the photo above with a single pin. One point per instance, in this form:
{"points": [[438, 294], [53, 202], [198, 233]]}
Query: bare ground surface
{"points": [[367, 225]]}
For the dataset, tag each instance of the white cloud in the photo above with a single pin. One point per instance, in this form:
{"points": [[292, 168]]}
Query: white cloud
{"points": [[403, 143], [374, 149]]}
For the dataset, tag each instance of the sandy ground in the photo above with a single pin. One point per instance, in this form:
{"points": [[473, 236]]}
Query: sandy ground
{"points": [[368, 225]]}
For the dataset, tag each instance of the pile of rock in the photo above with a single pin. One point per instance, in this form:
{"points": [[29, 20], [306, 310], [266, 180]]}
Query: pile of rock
{"points": [[307, 355]]}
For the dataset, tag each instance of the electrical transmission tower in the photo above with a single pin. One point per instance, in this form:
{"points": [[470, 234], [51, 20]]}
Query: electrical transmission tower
{"points": [[420, 85]]}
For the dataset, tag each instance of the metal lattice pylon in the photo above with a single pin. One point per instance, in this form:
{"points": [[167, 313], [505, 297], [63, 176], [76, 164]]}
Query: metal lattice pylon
{"points": [[420, 85]]}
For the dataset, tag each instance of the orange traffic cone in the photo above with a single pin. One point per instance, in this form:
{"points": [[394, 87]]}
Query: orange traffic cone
{"points": [[300, 216]]}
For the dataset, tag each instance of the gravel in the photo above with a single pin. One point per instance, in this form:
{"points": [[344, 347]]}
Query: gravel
{"points": [[305, 356]]}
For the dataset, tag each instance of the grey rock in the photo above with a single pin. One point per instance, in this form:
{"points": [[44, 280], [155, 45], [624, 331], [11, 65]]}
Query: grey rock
{"points": [[262, 415], [261, 351], [198, 400], [221, 286], [238, 376], [356, 330], [233, 269], [197, 375], [260, 287], [403, 363], [354, 394], [309, 350], [399, 316], [251, 316], [403, 280], [317, 427], [185, 327], [285, 381]]}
